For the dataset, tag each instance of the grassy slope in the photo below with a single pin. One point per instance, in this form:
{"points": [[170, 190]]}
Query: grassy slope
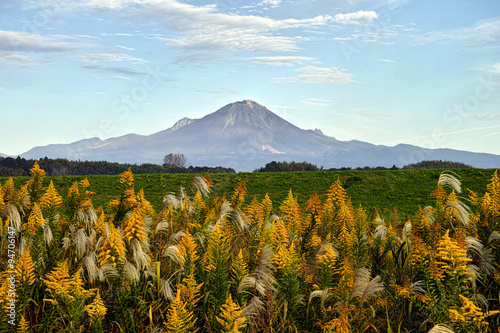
{"points": [[404, 189]]}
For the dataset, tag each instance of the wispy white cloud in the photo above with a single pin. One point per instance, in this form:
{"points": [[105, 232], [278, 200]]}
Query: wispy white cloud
{"points": [[387, 60], [485, 31], [270, 3], [281, 60], [318, 103], [111, 57], [26, 42], [121, 72], [207, 28], [318, 75], [356, 17], [11, 58]]}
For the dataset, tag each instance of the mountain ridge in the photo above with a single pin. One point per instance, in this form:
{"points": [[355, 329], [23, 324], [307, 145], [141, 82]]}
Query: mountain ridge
{"points": [[245, 135]]}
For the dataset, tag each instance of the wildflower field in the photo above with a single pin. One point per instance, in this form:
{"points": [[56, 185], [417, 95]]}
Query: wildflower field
{"points": [[238, 263]]}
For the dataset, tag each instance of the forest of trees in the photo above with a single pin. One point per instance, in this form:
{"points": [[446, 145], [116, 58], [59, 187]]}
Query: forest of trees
{"points": [[437, 165], [61, 167]]}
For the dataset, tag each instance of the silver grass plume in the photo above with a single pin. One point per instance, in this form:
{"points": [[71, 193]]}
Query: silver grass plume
{"points": [[200, 237], [81, 243], [486, 256], [162, 226], [224, 210], [14, 216], [47, 234], [66, 243], [25, 201], [171, 200], [167, 291], [140, 254], [463, 210], [130, 272], [91, 267], [201, 185], [381, 231], [418, 287], [364, 287], [22, 245], [406, 232], [323, 294], [450, 179], [174, 238], [107, 271], [253, 308], [250, 282], [440, 329], [239, 218], [172, 253], [495, 236], [474, 271], [261, 279]]}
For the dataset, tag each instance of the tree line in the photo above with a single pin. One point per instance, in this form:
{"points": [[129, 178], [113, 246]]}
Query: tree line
{"points": [[284, 166], [177, 163], [19, 166]]}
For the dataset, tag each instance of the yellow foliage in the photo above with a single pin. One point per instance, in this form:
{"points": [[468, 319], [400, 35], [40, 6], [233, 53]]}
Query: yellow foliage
{"points": [[239, 194], [452, 259], [112, 246], [190, 291], [198, 202], [279, 234], [96, 309], [218, 244], [8, 190], [61, 284], [127, 178], [25, 270], [230, 317], [328, 257], [314, 205], [23, 326], [291, 212], [179, 318], [35, 221], [135, 227], [239, 268], [186, 248], [51, 198], [469, 312]]}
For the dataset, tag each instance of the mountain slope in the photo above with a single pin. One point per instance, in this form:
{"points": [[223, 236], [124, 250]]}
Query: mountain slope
{"points": [[246, 135]]}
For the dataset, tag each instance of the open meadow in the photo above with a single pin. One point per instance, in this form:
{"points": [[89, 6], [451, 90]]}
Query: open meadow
{"points": [[323, 251]]}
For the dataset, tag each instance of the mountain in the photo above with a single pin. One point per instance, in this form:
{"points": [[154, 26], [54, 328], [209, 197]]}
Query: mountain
{"points": [[246, 135]]}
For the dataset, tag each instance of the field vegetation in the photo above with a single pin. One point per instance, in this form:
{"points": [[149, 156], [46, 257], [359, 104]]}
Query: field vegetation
{"points": [[356, 251]]}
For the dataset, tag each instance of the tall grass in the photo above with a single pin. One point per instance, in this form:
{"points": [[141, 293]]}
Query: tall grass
{"points": [[207, 263]]}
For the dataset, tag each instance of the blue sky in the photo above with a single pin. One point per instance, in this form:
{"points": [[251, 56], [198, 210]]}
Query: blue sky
{"points": [[397, 71]]}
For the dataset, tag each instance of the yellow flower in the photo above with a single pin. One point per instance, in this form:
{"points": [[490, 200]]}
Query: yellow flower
{"points": [[328, 258], [451, 258], [179, 318], [230, 317], [186, 248], [35, 220], [25, 269], [51, 198], [96, 309]]}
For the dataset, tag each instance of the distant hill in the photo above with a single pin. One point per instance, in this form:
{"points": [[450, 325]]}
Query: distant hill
{"points": [[246, 135]]}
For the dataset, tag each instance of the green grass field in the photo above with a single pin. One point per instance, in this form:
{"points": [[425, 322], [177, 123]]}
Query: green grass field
{"points": [[383, 190]]}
